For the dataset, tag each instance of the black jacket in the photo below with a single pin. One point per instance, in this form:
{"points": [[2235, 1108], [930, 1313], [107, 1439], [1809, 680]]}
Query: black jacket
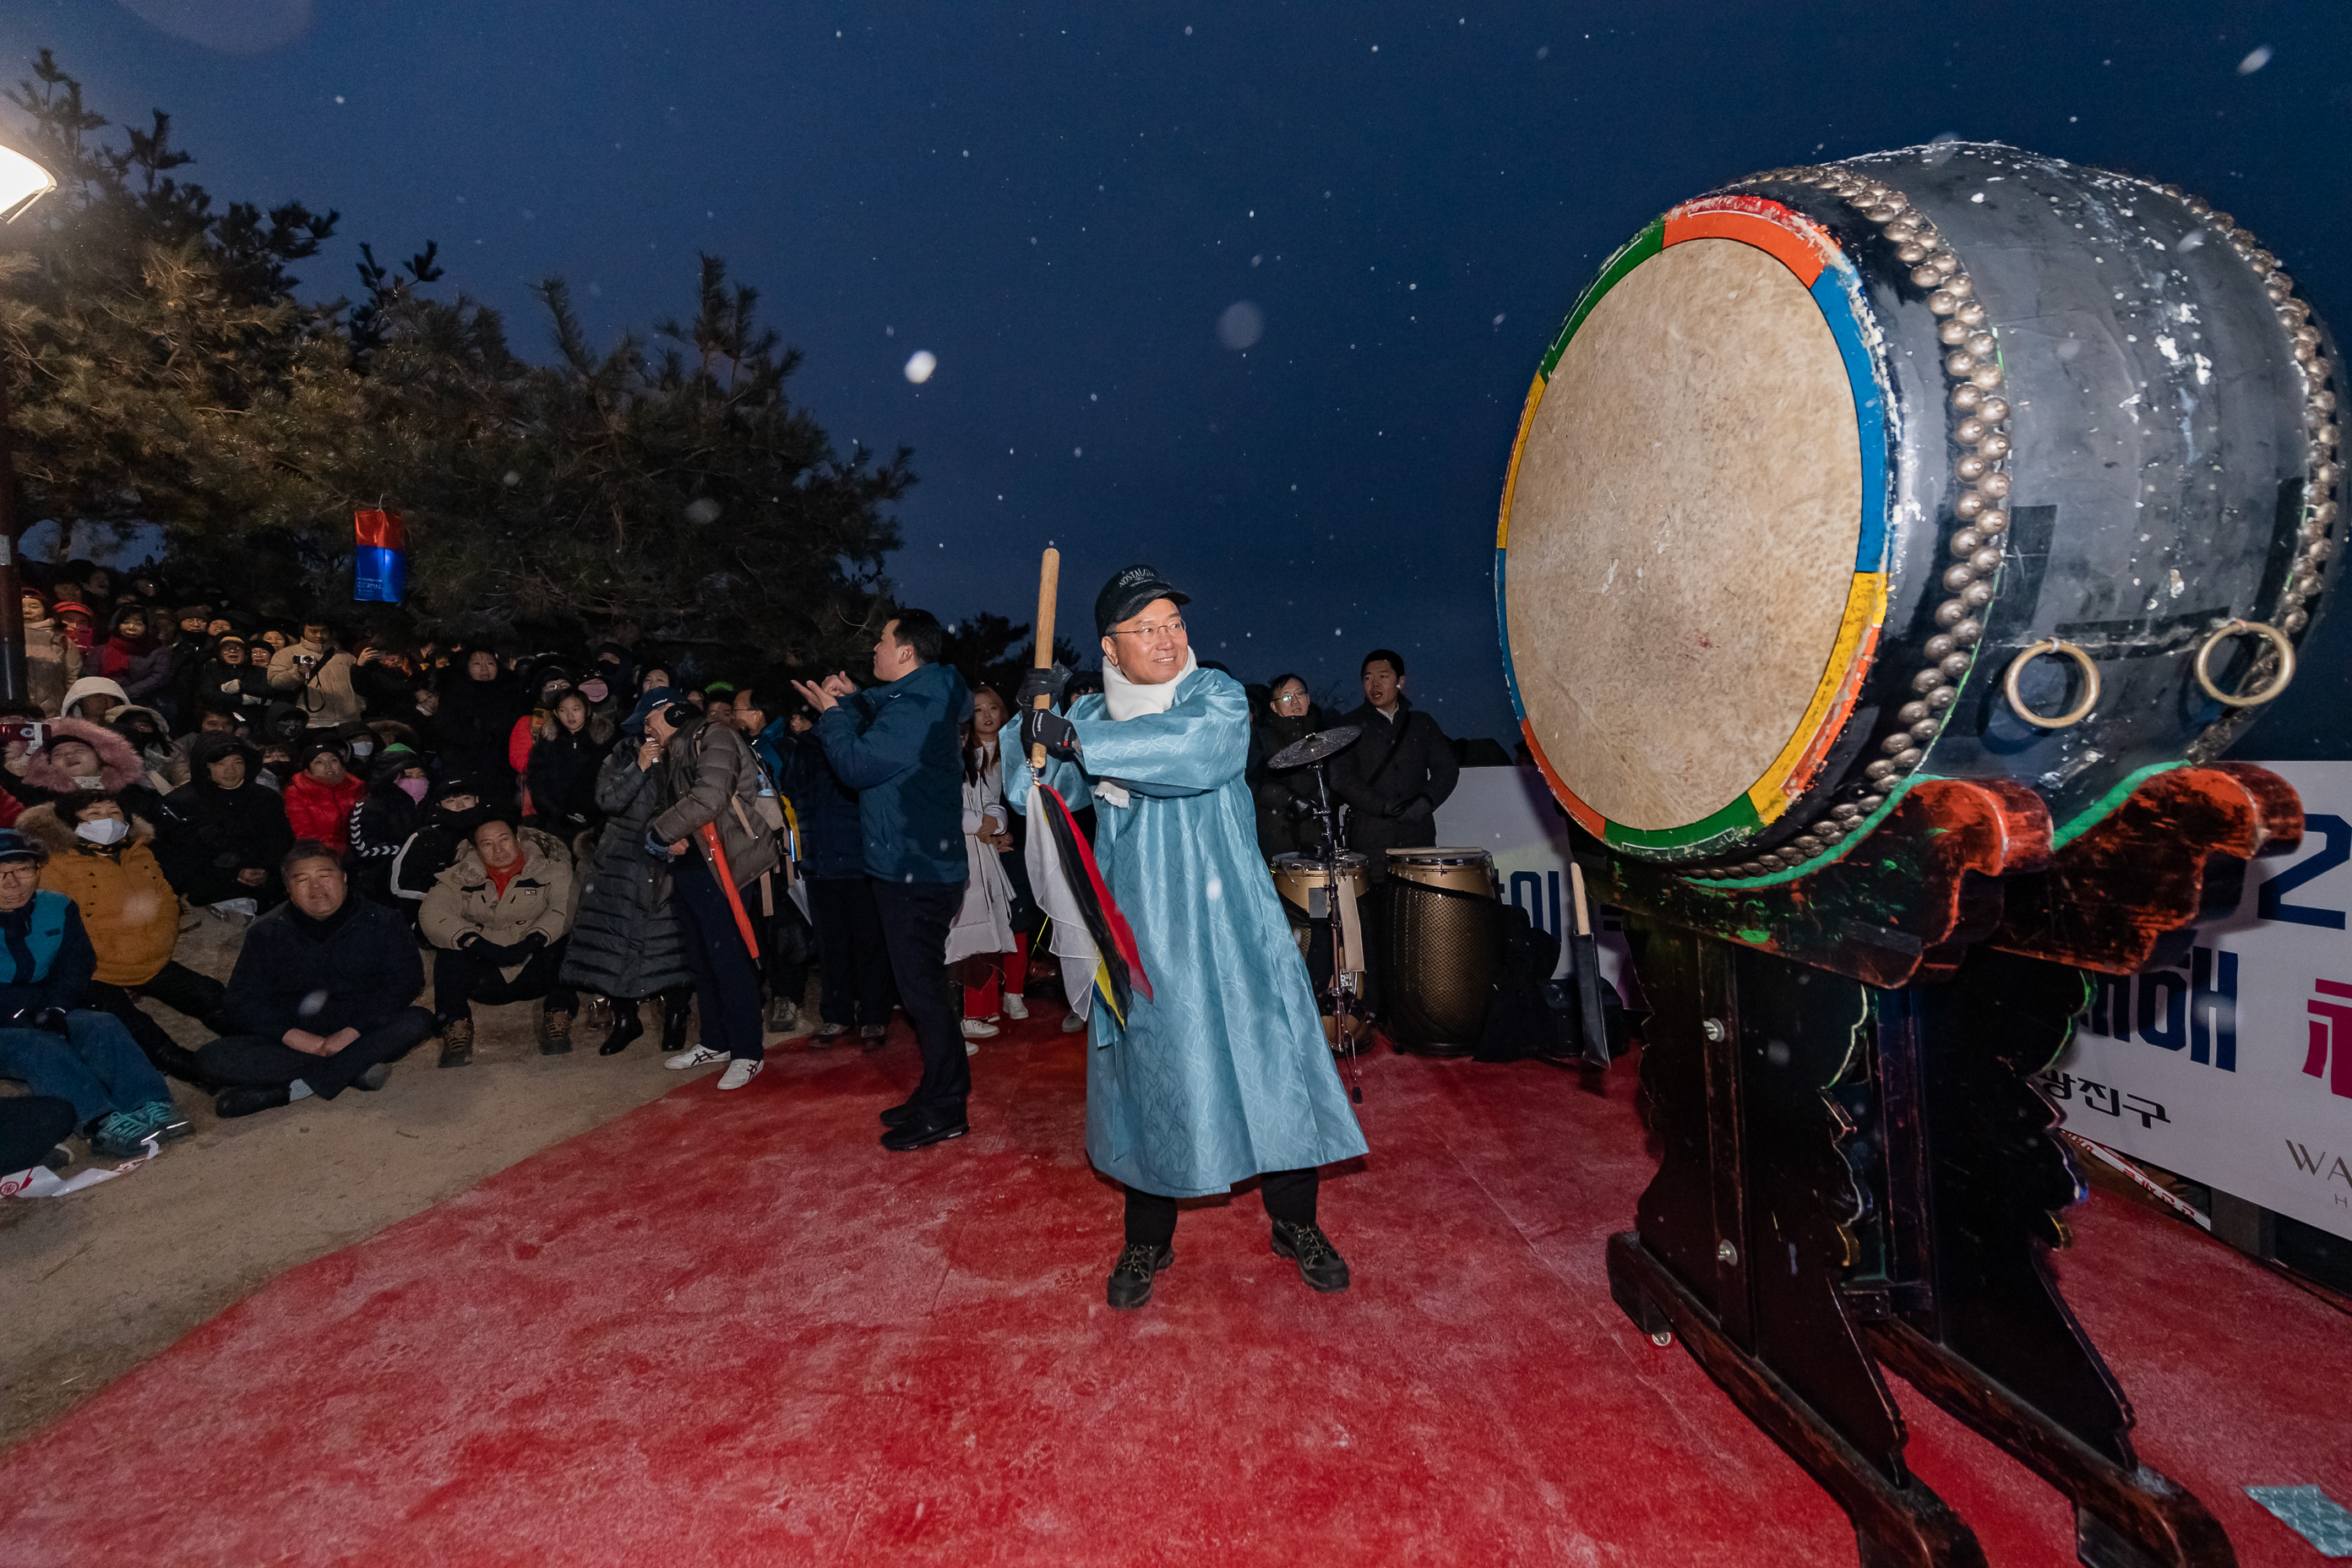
{"points": [[381, 824], [563, 778], [354, 970], [1284, 799], [1395, 778], [209, 833], [476, 719]]}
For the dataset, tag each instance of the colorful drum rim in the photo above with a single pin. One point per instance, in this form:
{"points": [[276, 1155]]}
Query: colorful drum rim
{"points": [[1825, 272]]}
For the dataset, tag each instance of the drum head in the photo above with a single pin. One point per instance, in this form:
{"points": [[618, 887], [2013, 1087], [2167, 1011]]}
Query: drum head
{"points": [[1440, 855], [1688, 508]]}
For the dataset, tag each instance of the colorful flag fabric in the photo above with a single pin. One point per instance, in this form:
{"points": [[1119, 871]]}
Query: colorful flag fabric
{"points": [[380, 564], [1089, 935]]}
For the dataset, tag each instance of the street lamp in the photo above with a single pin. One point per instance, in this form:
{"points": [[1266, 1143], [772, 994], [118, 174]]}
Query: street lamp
{"points": [[23, 182]]}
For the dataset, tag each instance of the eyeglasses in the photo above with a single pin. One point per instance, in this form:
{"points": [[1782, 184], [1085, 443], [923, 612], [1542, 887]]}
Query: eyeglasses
{"points": [[1168, 627]]}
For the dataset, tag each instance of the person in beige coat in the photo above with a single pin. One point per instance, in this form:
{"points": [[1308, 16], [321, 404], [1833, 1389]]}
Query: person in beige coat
{"points": [[52, 659], [499, 919], [318, 676]]}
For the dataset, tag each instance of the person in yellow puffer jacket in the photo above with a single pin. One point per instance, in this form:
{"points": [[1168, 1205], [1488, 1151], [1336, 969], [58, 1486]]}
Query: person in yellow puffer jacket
{"points": [[103, 860]]}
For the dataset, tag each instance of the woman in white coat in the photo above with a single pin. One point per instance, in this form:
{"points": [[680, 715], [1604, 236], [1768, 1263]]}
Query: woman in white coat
{"points": [[982, 936]]}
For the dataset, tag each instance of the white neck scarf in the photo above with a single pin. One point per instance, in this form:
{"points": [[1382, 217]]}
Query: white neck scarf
{"points": [[1128, 699]]}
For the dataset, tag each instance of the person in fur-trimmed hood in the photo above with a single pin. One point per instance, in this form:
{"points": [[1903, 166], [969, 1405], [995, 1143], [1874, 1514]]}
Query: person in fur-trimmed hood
{"points": [[80, 755], [103, 860]]}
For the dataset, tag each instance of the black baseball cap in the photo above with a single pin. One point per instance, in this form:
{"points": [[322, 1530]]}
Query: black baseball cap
{"points": [[1129, 589]]}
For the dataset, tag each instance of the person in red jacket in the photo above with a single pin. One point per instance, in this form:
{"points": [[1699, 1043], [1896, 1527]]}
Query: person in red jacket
{"points": [[320, 797]]}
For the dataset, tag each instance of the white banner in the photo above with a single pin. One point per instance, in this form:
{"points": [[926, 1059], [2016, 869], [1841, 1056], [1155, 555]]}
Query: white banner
{"points": [[2234, 1067], [1509, 812]]}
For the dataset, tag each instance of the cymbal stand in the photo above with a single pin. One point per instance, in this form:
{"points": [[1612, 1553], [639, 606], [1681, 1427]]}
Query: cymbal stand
{"points": [[1343, 983]]}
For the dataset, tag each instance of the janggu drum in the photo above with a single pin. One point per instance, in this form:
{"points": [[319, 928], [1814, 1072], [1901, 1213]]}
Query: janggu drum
{"points": [[1955, 462]]}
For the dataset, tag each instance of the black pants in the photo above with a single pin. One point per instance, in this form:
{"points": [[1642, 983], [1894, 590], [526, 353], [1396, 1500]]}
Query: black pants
{"points": [[786, 942], [726, 983], [1289, 1195], [461, 979], [30, 1126], [915, 920], [853, 954], [178, 988], [258, 1060]]}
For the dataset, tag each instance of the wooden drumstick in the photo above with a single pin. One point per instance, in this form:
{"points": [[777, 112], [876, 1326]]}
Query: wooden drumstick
{"points": [[1049, 583]]}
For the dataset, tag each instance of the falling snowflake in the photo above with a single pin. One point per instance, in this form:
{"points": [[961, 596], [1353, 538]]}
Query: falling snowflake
{"points": [[920, 364], [2255, 61]]}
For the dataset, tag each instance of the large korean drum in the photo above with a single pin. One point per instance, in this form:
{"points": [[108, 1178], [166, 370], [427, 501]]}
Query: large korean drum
{"points": [[1955, 461]]}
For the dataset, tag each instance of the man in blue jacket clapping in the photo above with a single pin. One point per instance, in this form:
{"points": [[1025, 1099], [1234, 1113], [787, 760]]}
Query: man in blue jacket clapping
{"points": [[896, 745]]}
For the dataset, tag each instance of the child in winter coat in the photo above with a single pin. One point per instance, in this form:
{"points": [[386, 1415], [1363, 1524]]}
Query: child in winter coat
{"points": [[320, 797]]}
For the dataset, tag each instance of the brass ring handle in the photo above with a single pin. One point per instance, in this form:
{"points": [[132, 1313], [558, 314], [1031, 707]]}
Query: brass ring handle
{"points": [[2073, 715], [2269, 634]]}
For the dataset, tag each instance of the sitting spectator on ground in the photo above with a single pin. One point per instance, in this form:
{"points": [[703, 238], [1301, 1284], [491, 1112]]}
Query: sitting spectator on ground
{"points": [[321, 997], [443, 828], [165, 766], [48, 1040], [94, 698], [385, 818], [319, 676], [52, 659], [322, 796], [231, 682], [33, 1130], [499, 917], [135, 655], [79, 755], [224, 836], [104, 860]]}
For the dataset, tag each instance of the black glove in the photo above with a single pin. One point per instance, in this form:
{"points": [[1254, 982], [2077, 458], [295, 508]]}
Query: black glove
{"points": [[531, 942], [1298, 810], [53, 1019], [1044, 727], [1418, 809], [473, 941], [1042, 683]]}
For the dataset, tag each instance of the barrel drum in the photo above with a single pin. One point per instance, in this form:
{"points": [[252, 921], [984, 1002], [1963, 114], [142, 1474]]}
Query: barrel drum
{"points": [[1956, 461], [1443, 947]]}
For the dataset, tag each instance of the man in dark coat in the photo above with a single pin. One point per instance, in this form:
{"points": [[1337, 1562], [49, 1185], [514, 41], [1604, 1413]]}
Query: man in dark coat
{"points": [[478, 711], [853, 954], [1395, 777], [897, 744], [322, 995], [224, 836]]}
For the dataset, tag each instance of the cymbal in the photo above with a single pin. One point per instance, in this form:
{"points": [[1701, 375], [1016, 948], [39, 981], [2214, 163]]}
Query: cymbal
{"points": [[1314, 748]]}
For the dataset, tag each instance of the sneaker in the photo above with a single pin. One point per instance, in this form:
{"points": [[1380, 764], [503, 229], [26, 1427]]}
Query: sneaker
{"points": [[1015, 1004], [827, 1035], [375, 1078], [871, 1036], [1131, 1277], [695, 1056], [979, 1029], [163, 1120], [740, 1071], [1072, 1024], [555, 1034], [58, 1158], [784, 1015], [1319, 1263], [118, 1135], [922, 1134], [456, 1041]]}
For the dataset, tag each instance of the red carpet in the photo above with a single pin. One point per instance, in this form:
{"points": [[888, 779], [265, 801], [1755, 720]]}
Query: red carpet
{"points": [[730, 1329]]}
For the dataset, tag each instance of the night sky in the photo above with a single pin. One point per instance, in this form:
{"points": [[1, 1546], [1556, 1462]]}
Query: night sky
{"points": [[1062, 204]]}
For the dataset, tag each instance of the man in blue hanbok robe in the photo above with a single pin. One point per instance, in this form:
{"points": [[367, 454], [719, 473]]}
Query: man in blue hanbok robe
{"points": [[1222, 1072]]}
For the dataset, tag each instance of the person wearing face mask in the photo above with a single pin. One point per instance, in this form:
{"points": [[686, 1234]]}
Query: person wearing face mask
{"points": [[1220, 1073], [445, 822], [386, 818], [52, 659], [104, 860], [223, 835]]}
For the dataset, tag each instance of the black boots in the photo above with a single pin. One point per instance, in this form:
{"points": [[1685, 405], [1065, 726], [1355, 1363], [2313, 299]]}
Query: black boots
{"points": [[676, 1005], [1319, 1263], [627, 1025], [1139, 1265]]}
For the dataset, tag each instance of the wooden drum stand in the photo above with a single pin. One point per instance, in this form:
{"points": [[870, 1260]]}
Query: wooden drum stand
{"points": [[1859, 1171]]}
